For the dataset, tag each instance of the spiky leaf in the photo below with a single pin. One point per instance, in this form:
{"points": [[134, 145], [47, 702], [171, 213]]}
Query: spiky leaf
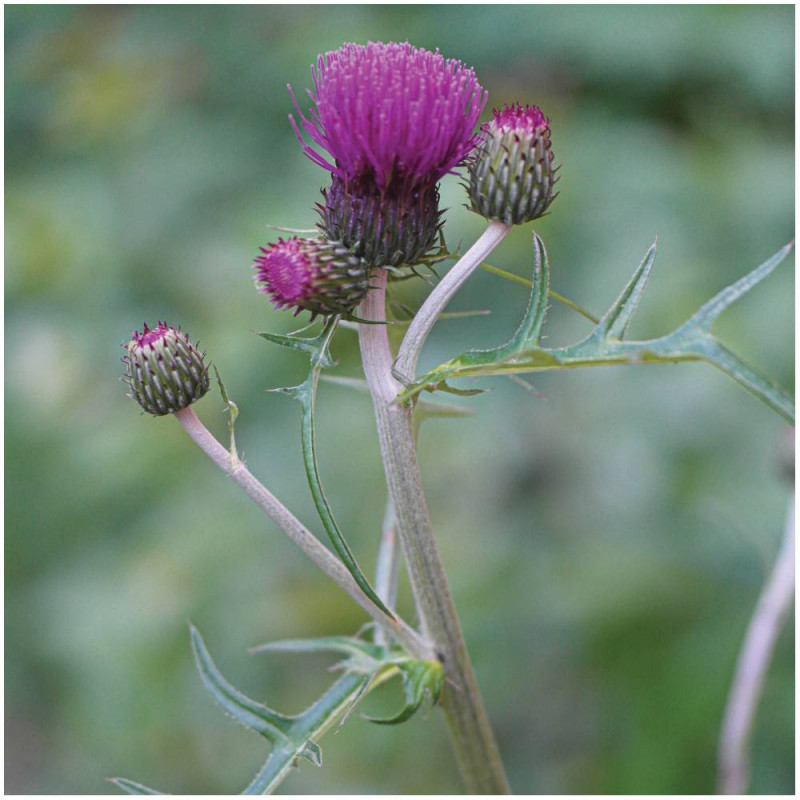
{"points": [[318, 349], [606, 346], [421, 680]]}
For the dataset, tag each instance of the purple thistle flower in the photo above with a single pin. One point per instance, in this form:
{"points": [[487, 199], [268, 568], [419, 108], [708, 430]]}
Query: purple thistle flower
{"points": [[518, 119], [390, 115], [388, 121], [148, 337], [312, 275], [512, 173], [165, 371], [285, 273]]}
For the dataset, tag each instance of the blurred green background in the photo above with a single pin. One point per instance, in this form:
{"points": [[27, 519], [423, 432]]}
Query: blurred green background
{"points": [[606, 544]]}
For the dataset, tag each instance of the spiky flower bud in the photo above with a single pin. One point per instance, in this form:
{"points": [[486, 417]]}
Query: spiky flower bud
{"points": [[313, 275], [165, 371], [386, 229], [512, 174]]}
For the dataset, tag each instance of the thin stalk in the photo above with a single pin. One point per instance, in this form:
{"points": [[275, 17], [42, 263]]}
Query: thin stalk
{"points": [[297, 532], [559, 298], [387, 568], [476, 750], [751, 670], [425, 318]]}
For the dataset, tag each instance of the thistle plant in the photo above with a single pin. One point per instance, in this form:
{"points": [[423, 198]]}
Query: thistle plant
{"points": [[386, 123]]}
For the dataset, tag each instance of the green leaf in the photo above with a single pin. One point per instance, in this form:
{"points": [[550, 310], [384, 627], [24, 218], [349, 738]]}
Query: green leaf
{"points": [[295, 737], [131, 787], [421, 680], [710, 312], [309, 346], [761, 386], [614, 323], [252, 715], [233, 413], [530, 330], [368, 665], [312, 751], [304, 730], [605, 346], [318, 349], [371, 655]]}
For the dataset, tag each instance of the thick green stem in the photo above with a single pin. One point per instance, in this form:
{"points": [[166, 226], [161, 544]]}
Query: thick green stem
{"points": [[476, 750]]}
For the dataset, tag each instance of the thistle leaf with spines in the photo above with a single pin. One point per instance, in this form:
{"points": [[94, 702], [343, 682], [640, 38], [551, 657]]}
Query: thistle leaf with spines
{"points": [[294, 737], [233, 413], [421, 680], [318, 350], [606, 346]]}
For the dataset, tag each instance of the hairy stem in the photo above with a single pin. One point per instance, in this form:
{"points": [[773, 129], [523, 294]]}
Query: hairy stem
{"points": [[473, 740], [751, 670], [425, 318], [297, 532]]}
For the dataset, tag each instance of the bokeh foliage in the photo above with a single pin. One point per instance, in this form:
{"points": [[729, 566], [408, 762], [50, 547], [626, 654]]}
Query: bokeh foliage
{"points": [[606, 545]]}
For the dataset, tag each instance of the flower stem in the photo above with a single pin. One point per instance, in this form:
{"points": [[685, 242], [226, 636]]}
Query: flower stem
{"points": [[476, 750], [438, 299], [297, 532], [751, 669], [387, 568]]}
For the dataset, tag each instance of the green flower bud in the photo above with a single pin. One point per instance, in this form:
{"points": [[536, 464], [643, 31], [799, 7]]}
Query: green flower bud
{"points": [[512, 173], [166, 372]]}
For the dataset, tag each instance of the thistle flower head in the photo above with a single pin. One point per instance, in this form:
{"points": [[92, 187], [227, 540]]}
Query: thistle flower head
{"points": [[314, 275], [512, 174], [165, 371], [390, 115]]}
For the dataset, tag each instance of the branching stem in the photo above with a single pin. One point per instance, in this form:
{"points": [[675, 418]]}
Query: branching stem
{"points": [[425, 318], [751, 670], [297, 532], [476, 750]]}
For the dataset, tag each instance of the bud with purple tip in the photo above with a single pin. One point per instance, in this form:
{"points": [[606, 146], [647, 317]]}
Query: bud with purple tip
{"points": [[312, 275], [165, 371], [388, 121], [512, 173]]}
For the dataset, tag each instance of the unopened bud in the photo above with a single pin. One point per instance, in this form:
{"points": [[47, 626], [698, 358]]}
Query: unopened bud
{"points": [[312, 275], [166, 372], [512, 173]]}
